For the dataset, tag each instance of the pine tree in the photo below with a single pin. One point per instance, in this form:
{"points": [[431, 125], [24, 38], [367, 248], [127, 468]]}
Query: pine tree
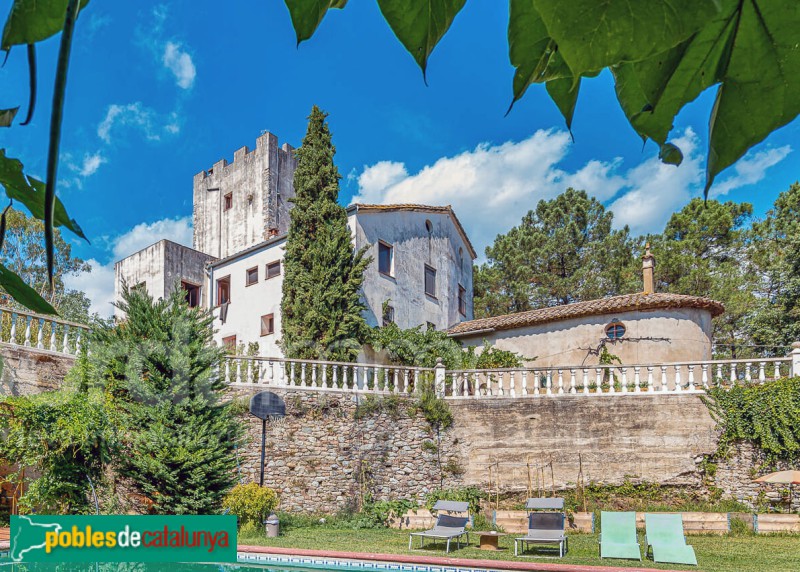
{"points": [[159, 369], [321, 308]]}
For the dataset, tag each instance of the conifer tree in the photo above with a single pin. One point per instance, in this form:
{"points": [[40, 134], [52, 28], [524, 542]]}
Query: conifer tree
{"points": [[159, 369], [321, 308]]}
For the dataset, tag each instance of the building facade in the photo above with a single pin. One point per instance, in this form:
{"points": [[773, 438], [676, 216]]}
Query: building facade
{"points": [[420, 275]]}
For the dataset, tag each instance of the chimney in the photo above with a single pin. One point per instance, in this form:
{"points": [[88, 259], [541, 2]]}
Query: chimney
{"points": [[272, 232], [648, 267]]}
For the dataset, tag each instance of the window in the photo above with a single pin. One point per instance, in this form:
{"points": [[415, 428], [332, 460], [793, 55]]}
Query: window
{"points": [[192, 294], [141, 286], [223, 290], [430, 281], [228, 201], [385, 258], [229, 343], [430, 325], [615, 330], [462, 300], [428, 226], [252, 276], [388, 314], [273, 269], [267, 324]]}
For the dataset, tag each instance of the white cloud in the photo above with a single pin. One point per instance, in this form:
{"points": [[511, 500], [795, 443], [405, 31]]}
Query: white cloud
{"points": [[90, 164], [179, 62], [99, 283], [492, 186], [751, 169], [138, 117], [144, 234]]}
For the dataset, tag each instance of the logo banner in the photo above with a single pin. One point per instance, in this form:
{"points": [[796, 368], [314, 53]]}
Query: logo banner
{"points": [[121, 538]]}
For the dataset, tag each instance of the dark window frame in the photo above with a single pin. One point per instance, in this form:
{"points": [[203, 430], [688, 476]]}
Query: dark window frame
{"points": [[269, 265], [390, 249], [428, 270], [220, 281], [388, 315], [462, 300], [227, 201], [247, 281], [229, 342], [615, 330], [189, 288], [271, 329]]}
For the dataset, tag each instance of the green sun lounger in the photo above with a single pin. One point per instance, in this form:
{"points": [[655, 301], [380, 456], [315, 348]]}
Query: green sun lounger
{"points": [[666, 539], [618, 537]]}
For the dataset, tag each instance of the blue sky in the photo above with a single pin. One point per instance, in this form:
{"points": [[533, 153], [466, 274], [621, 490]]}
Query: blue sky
{"points": [[158, 92]]}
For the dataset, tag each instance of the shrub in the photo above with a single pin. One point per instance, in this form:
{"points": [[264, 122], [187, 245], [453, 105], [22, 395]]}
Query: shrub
{"points": [[250, 502], [472, 495]]}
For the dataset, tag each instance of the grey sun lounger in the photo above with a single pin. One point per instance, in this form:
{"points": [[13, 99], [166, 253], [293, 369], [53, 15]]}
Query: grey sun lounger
{"points": [[447, 527], [544, 528]]}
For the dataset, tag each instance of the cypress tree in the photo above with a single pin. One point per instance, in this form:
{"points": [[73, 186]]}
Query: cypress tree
{"points": [[160, 371], [321, 308]]}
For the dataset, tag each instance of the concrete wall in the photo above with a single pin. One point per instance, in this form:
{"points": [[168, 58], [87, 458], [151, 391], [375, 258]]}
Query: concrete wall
{"points": [[320, 458], [249, 303], [260, 182], [653, 336], [160, 267], [29, 370], [413, 246]]}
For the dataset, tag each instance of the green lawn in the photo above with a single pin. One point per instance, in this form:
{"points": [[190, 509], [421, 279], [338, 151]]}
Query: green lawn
{"points": [[746, 553]]}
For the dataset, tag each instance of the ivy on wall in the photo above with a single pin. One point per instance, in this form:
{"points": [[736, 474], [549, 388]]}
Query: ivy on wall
{"points": [[767, 415]]}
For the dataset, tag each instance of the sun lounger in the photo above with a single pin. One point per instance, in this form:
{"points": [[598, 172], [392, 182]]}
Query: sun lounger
{"points": [[664, 535], [447, 527], [618, 537], [544, 528]]}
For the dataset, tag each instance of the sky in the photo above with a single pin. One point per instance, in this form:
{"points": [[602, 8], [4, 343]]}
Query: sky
{"points": [[158, 92]]}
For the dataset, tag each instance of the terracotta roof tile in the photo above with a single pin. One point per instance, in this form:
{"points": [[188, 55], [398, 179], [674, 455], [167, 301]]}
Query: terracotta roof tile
{"points": [[624, 303]]}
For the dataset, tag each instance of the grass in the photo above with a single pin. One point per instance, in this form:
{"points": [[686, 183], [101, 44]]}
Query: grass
{"points": [[730, 553]]}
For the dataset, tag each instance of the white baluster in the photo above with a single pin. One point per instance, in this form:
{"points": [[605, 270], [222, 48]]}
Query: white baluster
{"points": [[239, 370], [611, 382], [12, 339], [719, 373], [405, 380], [549, 382], [678, 382], [624, 371], [78, 341], [747, 377], [637, 379], [664, 378], [537, 381], [734, 376], [416, 381], [40, 335], [227, 370], [598, 379], [762, 374], [572, 388], [282, 373], [650, 387], [303, 381], [28, 331], [560, 382], [52, 345], [313, 367], [585, 381], [777, 374], [691, 377], [292, 373], [704, 375], [511, 389]]}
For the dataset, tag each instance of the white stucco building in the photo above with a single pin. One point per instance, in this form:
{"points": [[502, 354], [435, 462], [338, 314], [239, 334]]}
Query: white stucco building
{"points": [[420, 275]]}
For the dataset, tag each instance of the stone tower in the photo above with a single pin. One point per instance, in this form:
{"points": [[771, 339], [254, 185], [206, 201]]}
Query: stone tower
{"points": [[241, 204]]}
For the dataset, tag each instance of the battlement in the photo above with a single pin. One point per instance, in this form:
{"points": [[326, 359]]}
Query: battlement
{"points": [[238, 204], [264, 143]]}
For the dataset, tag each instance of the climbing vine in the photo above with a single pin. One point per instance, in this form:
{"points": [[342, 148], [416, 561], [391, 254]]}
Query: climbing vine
{"points": [[767, 415]]}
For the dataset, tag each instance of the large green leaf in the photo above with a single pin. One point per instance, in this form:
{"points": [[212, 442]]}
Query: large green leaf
{"points": [[7, 116], [23, 293], [564, 92], [30, 192], [653, 91], [420, 24], [761, 85], [594, 34], [32, 21], [530, 47], [307, 15]]}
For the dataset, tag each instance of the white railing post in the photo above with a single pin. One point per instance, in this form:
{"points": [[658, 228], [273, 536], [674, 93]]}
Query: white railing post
{"points": [[585, 381], [678, 381], [795, 372], [637, 379], [40, 335], [704, 368], [560, 381], [650, 387], [28, 321], [691, 377], [572, 388], [52, 346], [13, 336], [440, 372], [511, 389], [524, 382], [664, 384]]}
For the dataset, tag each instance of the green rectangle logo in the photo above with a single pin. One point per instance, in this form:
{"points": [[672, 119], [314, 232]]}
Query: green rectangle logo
{"points": [[120, 538]]}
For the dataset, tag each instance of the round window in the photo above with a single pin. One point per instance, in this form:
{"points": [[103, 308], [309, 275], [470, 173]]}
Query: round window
{"points": [[615, 331]]}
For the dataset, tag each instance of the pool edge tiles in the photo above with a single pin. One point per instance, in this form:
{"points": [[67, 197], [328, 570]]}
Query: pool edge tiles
{"points": [[349, 564]]}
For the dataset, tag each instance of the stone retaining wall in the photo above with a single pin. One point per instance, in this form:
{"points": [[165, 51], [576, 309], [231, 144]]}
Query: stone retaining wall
{"points": [[29, 370]]}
